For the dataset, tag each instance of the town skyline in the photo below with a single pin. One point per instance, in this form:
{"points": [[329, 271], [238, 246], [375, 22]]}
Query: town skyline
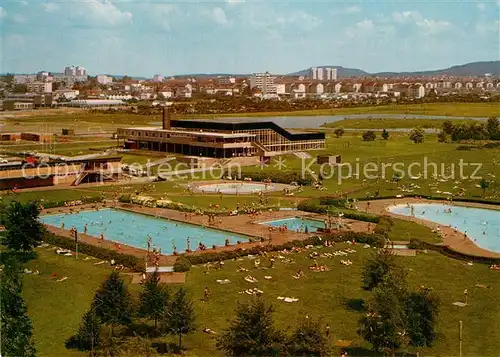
{"points": [[236, 37]]}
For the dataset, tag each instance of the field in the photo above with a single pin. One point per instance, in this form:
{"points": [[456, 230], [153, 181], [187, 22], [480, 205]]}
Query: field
{"points": [[335, 296], [385, 123], [84, 122]]}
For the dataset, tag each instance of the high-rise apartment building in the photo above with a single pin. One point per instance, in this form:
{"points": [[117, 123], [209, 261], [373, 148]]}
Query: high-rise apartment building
{"points": [[323, 73], [264, 82]]}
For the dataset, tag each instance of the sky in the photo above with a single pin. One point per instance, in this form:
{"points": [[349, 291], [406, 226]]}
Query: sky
{"points": [[146, 37]]}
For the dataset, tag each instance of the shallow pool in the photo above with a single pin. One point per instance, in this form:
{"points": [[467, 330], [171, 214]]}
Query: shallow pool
{"points": [[235, 188], [297, 224], [481, 225], [133, 229]]}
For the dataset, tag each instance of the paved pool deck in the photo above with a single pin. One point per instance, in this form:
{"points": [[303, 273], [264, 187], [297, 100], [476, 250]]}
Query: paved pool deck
{"points": [[241, 224], [455, 240]]}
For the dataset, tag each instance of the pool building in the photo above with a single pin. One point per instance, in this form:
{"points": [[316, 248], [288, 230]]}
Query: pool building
{"points": [[223, 138]]}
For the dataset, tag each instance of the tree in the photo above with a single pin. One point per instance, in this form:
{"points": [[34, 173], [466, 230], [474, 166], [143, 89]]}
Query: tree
{"points": [[369, 135], [252, 332], [153, 298], [179, 318], [447, 127], [442, 137], [492, 127], [24, 231], [89, 331], [308, 339], [376, 268], [484, 185], [339, 132], [385, 134], [417, 135], [422, 309], [17, 329], [112, 302], [384, 325]]}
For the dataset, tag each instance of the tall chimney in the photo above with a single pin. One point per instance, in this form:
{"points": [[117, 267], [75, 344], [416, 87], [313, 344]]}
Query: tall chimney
{"points": [[166, 118]]}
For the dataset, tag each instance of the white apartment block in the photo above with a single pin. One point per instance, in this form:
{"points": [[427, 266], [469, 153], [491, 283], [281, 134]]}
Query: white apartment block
{"points": [[24, 78], [103, 79], [263, 81], [323, 74], [77, 71], [226, 80], [39, 87], [158, 78]]}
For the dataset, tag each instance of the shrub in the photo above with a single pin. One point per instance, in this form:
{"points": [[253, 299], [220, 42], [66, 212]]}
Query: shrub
{"points": [[182, 264], [384, 226], [126, 198], [339, 132], [417, 135], [369, 135]]}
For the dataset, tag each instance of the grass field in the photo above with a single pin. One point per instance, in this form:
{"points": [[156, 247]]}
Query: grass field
{"points": [[385, 123], [335, 296], [85, 122]]}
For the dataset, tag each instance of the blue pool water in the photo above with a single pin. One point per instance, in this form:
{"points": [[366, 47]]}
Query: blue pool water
{"points": [[297, 223], [133, 228], [481, 225]]}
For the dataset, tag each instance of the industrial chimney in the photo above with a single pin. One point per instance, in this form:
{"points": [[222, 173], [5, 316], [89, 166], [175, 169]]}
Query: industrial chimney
{"points": [[166, 118]]}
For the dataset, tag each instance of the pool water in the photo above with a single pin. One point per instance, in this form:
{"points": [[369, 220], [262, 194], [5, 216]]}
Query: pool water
{"points": [[297, 224], [133, 229], [234, 188], [481, 225]]}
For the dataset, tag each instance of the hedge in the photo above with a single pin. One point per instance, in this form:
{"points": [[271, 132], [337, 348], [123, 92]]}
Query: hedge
{"points": [[130, 261], [447, 251], [311, 205], [53, 204]]}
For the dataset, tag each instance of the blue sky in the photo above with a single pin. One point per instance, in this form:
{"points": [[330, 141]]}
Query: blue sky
{"points": [[241, 36]]}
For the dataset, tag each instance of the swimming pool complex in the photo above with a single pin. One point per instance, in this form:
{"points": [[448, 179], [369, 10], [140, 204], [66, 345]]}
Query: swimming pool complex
{"points": [[133, 228], [297, 224], [235, 188], [481, 225]]}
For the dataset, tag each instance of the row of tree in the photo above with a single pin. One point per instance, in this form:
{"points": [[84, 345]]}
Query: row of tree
{"points": [[472, 130]]}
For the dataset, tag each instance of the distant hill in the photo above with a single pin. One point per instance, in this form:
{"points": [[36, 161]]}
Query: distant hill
{"points": [[469, 69]]}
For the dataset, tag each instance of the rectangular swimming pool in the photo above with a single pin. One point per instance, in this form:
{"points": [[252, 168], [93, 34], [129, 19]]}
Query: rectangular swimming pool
{"points": [[297, 224], [133, 229]]}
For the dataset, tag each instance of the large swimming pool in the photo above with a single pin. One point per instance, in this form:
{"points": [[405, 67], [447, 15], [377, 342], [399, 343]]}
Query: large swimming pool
{"points": [[297, 224], [133, 229], [481, 225], [236, 188]]}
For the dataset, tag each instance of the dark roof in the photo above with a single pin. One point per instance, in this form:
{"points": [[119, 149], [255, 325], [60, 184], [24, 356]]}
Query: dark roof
{"points": [[246, 124]]}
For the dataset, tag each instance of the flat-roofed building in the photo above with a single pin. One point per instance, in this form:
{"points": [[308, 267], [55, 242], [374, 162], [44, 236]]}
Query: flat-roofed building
{"points": [[221, 138]]}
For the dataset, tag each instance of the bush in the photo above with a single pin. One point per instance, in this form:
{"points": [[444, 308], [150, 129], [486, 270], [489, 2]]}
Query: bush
{"points": [[182, 264], [369, 135], [339, 132], [126, 198], [384, 226], [331, 201], [130, 261]]}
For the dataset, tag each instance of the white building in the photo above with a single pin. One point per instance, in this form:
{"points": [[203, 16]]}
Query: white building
{"points": [[158, 78], [323, 74], [226, 80], [39, 87], [103, 79], [24, 78], [70, 71], [80, 71], [263, 81]]}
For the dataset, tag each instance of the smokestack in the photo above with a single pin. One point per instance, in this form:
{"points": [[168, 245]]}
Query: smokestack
{"points": [[166, 118]]}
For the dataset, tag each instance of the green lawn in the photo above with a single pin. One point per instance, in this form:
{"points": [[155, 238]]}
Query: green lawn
{"points": [[385, 123], [334, 296], [68, 149]]}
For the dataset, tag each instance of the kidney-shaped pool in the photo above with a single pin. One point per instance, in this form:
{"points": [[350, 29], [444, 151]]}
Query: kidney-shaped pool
{"points": [[481, 225]]}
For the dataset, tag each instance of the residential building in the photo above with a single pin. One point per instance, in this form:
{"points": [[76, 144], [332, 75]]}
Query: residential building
{"points": [[80, 71], [323, 73], [264, 82], [70, 71], [103, 79], [39, 87], [24, 78], [158, 78], [225, 80]]}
